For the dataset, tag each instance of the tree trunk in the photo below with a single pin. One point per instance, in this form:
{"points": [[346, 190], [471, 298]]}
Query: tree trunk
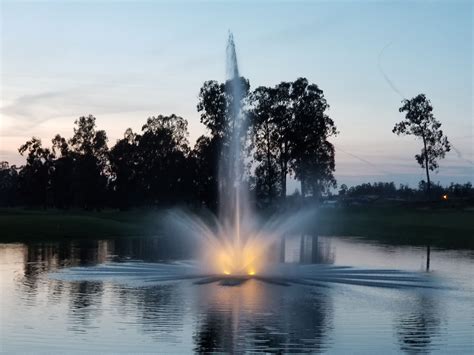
{"points": [[427, 169], [283, 167], [428, 254], [283, 184], [270, 182]]}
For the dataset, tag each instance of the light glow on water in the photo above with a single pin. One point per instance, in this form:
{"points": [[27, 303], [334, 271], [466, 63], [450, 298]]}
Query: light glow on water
{"points": [[72, 296]]}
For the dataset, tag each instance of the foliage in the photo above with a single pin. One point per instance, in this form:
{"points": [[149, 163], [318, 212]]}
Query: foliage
{"points": [[291, 131], [289, 135], [420, 122]]}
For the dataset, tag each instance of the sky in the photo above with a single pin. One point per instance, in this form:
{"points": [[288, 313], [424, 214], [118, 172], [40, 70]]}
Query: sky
{"points": [[125, 61]]}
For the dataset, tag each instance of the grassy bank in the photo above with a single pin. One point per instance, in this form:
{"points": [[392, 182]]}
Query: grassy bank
{"points": [[395, 225], [30, 225], [447, 228]]}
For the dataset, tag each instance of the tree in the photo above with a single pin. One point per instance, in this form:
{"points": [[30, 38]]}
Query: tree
{"points": [[63, 173], [265, 145], [124, 166], [274, 124], [218, 106], [35, 176], [291, 131], [90, 153], [313, 155], [162, 152], [8, 184], [204, 159], [343, 190], [420, 122]]}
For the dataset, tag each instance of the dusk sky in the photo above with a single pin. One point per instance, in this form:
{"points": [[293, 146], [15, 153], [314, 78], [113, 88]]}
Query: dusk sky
{"points": [[125, 61]]}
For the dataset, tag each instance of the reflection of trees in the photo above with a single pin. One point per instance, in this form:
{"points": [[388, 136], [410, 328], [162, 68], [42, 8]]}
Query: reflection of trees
{"points": [[85, 298], [419, 327], [214, 333], [308, 319], [41, 258], [315, 250], [250, 317], [151, 249], [160, 309]]}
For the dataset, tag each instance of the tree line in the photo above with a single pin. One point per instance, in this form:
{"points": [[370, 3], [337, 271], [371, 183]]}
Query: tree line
{"points": [[390, 190], [287, 133]]}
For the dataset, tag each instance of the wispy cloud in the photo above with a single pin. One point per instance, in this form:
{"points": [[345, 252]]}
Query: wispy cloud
{"points": [[28, 111]]}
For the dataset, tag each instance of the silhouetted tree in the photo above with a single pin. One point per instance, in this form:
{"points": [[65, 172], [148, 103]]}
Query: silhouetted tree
{"points": [[125, 164], [35, 175], [8, 184], [292, 131], [382, 189], [62, 174], [268, 183], [420, 122], [460, 190], [90, 151], [217, 106], [313, 155], [343, 190], [273, 108], [162, 152], [204, 160]]}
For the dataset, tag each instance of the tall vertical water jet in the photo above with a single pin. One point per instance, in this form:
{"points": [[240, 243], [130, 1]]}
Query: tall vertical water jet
{"points": [[232, 194], [236, 242]]}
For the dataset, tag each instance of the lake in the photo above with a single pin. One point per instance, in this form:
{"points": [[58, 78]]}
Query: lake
{"points": [[106, 309]]}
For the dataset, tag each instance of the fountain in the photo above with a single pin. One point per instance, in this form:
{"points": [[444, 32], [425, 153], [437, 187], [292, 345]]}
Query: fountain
{"points": [[235, 242], [235, 245]]}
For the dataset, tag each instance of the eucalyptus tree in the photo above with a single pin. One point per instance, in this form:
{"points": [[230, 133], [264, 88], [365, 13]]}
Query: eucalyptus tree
{"points": [[8, 184], [88, 147], [420, 122], [291, 132], [63, 173], [265, 145], [124, 167], [203, 164], [35, 176], [313, 155], [162, 154], [218, 106]]}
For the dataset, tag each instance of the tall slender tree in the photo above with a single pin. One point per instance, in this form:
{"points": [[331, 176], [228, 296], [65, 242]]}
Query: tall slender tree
{"points": [[420, 122], [313, 155]]}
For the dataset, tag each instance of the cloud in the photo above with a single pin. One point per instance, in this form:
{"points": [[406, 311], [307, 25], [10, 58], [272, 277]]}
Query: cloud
{"points": [[29, 111]]}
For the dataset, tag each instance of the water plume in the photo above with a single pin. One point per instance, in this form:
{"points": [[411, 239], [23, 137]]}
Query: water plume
{"points": [[235, 244]]}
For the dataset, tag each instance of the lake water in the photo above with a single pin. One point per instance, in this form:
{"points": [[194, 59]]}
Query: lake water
{"points": [[120, 308]]}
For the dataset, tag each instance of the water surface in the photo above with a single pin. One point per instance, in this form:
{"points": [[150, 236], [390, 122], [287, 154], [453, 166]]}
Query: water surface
{"points": [[116, 308]]}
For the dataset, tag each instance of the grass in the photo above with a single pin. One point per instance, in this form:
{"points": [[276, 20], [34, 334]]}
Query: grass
{"points": [[40, 225], [448, 228]]}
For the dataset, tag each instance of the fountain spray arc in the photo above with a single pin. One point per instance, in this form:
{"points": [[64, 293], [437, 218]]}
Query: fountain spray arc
{"points": [[233, 195], [235, 242]]}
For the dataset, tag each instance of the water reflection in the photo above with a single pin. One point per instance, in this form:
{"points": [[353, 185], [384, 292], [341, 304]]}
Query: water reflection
{"points": [[419, 327], [39, 312], [261, 317], [85, 299], [306, 249]]}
